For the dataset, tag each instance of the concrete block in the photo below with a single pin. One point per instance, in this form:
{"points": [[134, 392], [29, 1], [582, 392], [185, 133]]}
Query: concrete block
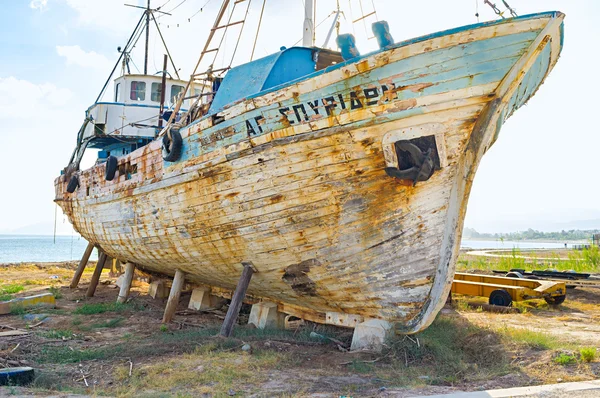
{"points": [[202, 299], [158, 290], [265, 315], [371, 335], [39, 300]]}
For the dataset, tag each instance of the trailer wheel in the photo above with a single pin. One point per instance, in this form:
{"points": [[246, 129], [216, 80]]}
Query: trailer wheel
{"points": [[111, 168], [73, 184], [171, 147], [555, 300], [500, 298]]}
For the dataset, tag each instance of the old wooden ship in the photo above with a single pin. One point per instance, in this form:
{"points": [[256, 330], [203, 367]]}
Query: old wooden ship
{"points": [[342, 178]]}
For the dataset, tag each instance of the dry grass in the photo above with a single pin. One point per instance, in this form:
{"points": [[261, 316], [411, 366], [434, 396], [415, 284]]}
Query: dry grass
{"points": [[207, 370]]}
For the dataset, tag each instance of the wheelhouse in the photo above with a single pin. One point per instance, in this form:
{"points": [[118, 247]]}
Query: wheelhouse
{"points": [[132, 119]]}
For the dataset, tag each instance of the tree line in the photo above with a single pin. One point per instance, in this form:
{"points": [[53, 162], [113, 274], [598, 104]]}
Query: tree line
{"points": [[532, 234]]}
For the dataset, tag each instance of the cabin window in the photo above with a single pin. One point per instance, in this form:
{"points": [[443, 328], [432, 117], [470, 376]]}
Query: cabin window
{"points": [[175, 91], [155, 93], [117, 92], [138, 91]]}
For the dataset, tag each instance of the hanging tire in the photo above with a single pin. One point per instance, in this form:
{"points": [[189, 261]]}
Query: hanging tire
{"points": [[555, 300], [171, 147], [73, 184], [111, 168], [16, 376], [500, 298]]}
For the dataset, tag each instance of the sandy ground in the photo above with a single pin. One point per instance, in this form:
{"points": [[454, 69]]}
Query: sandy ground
{"points": [[65, 347]]}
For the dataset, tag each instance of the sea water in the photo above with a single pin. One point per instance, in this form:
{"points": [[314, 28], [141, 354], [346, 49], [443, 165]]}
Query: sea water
{"points": [[36, 248], [25, 248]]}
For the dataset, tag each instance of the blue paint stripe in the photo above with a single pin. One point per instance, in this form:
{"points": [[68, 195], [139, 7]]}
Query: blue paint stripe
{"points": [[532, 80], [551, 14], [487, 61]]}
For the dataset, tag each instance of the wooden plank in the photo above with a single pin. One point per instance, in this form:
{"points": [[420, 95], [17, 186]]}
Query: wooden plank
{"points": [[82, 264], [96, 275], [174, 295], [127, 280], [10, 333], [237, 300]]}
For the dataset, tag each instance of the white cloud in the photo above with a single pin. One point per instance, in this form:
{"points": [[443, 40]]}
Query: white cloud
{"points": [[24, 99], [75, 55], [109, 15], [38, 4]]}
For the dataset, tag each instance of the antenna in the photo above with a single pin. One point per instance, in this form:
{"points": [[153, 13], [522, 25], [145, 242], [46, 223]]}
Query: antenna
{"points": [[147, 13]]}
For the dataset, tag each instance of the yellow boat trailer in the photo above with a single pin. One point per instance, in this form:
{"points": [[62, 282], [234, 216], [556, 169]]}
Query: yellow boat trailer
{"points": [[502, 291]]}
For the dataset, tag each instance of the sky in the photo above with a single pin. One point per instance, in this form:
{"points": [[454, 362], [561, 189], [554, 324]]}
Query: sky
{"points": [[56, 54]]}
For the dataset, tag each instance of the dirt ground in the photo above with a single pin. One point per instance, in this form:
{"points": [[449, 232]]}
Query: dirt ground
{"points": [[93, 346]]}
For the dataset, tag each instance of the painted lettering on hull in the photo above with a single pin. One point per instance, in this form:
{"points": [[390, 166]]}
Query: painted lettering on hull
{"points": [[330, 105]]}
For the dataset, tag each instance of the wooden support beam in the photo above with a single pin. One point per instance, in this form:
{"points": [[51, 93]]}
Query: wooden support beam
{"points": [[236, 300], [126, 285], [173, 299], [96, 275], [115, 267], [82, 264]]}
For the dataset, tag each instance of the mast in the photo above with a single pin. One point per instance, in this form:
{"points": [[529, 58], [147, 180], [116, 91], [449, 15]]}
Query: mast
{"points": [[147, 38], [308, 36]]}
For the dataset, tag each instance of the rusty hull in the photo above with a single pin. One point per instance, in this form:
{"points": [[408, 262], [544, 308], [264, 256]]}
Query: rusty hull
{"points": [[308, 203]]}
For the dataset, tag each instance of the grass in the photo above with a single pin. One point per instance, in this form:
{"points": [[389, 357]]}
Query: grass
{"points": [[565, 359], [584, 261], [55, 292], [587, 354], [447, 352], [111, 323], [7, 291], [100, 308], [208, 369], [533, 339], [56, 334]]}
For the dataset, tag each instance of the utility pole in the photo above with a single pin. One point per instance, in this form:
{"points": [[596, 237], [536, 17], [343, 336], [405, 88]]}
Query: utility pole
{"points": [[147, 38]]}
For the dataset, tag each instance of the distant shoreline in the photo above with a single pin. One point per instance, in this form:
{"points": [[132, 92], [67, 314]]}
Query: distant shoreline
{"points": [[579, 242]]}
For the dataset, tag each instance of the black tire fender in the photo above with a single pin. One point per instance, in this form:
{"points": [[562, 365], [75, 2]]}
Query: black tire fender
{"points": [[73, 184], [111, 168], [171, 147], [500, 298]]}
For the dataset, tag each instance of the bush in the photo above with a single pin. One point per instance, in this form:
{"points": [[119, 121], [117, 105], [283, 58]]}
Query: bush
{"points": [[588, 354], [55, 292], [564, 359]]}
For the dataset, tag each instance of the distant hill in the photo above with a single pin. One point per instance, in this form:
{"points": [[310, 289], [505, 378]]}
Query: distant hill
{"points": [[43, 228]]}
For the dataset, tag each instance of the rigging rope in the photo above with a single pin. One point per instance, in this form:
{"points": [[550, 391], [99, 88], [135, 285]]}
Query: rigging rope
{"points": [[200, 10], [258, 29], [176, 7], [241, 31], [163, 5]]}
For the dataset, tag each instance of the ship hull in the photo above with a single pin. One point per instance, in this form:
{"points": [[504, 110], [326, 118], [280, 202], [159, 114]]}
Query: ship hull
{"points": [[294, 181]]}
